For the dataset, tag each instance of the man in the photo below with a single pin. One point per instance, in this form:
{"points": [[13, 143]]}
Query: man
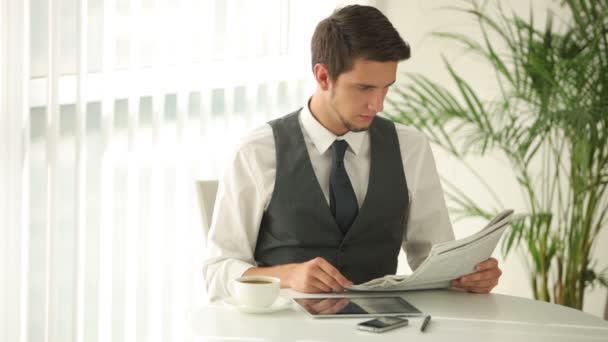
{"points": [[326, 196]]}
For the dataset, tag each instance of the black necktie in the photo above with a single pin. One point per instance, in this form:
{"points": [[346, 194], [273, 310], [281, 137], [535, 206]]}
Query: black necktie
{"points": [[343, 202]]}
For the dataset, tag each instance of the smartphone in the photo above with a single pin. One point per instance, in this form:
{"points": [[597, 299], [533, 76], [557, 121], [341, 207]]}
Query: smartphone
{"points": [[382, 324]]}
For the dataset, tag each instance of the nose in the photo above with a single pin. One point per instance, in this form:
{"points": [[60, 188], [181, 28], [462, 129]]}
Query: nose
{"points": [[376, 102]]}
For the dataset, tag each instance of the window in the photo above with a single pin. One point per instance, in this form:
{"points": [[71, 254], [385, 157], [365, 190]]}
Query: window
{"points": [[110, 111]]}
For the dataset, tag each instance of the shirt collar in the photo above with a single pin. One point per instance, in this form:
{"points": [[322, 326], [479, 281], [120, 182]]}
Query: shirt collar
{"points": [[322, 138]]}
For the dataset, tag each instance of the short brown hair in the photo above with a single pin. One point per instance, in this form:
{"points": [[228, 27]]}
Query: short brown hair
{"points": [[355, 32]]}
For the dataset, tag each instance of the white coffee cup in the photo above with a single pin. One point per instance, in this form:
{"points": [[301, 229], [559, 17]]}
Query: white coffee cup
{"points": [[255, 291]]}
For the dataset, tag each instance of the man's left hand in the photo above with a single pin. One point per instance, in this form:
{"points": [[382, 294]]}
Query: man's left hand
{"points": [[482, 281]]}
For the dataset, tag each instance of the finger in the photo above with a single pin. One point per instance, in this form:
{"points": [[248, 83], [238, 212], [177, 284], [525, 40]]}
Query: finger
{"points": [[310, 307], [480, 283], [327, 280], [488, 278], [317, 270], [457, 283], [341, 304], [494, 273], [487, 264], [313, 286], [495, 270], [334, 273], [320, 286], [326, 305], [337, 306], [475, 289], [309, 302]]}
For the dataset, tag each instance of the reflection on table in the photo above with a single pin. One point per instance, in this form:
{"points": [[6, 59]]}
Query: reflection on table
{"points": [[457, 316]]}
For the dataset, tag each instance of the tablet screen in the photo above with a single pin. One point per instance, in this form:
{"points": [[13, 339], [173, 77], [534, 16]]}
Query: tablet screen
{"points": [[357, 307]]}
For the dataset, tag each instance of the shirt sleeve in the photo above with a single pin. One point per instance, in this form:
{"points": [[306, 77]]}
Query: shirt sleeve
{"points": [[235, 224], [428, 222]]}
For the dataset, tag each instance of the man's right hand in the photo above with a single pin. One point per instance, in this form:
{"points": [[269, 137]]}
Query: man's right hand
{"points": [[324, 306], [317, 275], [313, 276]]}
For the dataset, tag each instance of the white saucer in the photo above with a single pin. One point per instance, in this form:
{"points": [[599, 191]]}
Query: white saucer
{"points": [[279, 304]]}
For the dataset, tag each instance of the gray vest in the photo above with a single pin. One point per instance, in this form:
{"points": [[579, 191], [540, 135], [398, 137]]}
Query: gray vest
{"points": [[298, 225]]}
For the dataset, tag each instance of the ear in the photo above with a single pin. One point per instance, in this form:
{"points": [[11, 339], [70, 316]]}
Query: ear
{"points": [[322, 75]]}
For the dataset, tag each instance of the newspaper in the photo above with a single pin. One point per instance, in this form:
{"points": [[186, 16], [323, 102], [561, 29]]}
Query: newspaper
{"points": [[446, 261]]}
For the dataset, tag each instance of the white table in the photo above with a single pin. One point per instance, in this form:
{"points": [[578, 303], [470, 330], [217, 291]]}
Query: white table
{"points": [[457, 316]]}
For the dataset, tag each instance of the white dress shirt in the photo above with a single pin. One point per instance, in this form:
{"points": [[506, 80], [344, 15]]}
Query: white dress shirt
{"points": [[245, 191]]}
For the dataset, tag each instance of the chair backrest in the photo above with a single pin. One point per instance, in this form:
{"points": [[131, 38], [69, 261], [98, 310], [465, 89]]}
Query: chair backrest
{"points": [[206, 190]]}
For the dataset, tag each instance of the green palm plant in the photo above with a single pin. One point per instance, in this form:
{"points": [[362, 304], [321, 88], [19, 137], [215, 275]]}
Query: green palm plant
{"points": [[550, 121]]}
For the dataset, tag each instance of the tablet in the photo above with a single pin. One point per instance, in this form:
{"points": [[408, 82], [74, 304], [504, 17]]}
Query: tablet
{"points": [[357, 307]]}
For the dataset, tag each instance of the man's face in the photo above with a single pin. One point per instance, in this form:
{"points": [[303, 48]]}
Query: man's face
{"points": [[358, 94]]}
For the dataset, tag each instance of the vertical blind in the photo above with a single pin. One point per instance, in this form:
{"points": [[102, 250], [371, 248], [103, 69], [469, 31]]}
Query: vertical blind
{"points": [[110, 110]]}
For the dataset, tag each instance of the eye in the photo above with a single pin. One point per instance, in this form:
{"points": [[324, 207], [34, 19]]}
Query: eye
{"points": [[365, 88]]}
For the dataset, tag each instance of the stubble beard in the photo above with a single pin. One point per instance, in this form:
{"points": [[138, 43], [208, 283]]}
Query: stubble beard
{"points": [[349, 125]]}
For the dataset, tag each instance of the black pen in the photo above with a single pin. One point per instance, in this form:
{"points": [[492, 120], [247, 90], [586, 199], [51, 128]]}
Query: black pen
{"points": [[426, 321]]}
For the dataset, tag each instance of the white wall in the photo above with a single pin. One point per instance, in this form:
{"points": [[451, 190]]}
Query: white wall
{"points": [[415, 19]]}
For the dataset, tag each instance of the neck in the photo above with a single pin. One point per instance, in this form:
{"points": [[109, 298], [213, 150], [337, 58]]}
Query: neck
{"points": [[322, 111]]}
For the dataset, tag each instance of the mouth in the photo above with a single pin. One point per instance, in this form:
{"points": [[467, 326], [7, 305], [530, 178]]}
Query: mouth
{"points": [[366, 118]]}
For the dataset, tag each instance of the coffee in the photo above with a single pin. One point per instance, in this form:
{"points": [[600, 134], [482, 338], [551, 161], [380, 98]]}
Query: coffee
{"points": [[256, 282]]}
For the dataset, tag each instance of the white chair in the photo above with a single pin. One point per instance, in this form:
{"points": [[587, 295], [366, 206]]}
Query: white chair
{"points": [[206, 190]]}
